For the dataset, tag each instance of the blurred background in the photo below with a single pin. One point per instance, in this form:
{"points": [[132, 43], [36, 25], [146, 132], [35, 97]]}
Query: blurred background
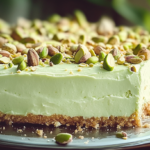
{"points": [[123, 12]]}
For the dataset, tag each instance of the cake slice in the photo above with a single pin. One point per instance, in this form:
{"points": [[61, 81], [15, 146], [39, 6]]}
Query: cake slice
{"points": [[89, 78]]}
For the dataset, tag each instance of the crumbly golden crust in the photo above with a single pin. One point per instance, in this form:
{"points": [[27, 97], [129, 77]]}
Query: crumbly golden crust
{"points": [[94, 122], [146, 109]]}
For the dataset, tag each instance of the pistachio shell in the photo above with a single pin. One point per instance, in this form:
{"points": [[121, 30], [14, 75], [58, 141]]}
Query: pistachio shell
{"points": [[5, 53], [4, 60], [52, 50], [10, 48], [114, 40]]}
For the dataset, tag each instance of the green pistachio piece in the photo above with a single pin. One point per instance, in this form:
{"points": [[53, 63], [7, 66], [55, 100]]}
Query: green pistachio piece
{"points": [[56, 59], [92, 59], [82, 39], [116, 53], [25, 51], [63, 138], [53, 43], [102, 55], [54, 18], [92, 52], [22, 66], [28, 40], [109, 62], [17, 60], [123, 35], [145, 40], [121, 134], [74, 48], [43, 53], [99, 39], [81, 18], [114, 40], [138, 48], [80, 53], [1, 56], [10, 65], [127, 46]]}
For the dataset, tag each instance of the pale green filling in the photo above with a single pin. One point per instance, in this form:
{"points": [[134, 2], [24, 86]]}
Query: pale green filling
{"points": [[90, 92]]}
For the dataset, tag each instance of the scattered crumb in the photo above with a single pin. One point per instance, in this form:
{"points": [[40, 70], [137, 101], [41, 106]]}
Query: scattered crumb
{"points": [[67, 125], [118, 127], [3, 128], [45, 137], [96, 126], [76, 131], [18, 71], [92, 138], [65, 69], [25, 135], [57, 124], [79, 129], [81, 137], [19, 130], [71, 72], [51, 132], [11, 73], [86, 142], [39, 132], [79, 69], [146, 125]]}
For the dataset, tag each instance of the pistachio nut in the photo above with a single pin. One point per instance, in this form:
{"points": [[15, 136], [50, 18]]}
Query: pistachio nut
{"points": [[22, 66], [52, 50], [10, 65], [142, 57], [134, 60], [5, 53], [54, 18], [121, 60], [10, 48], [20, 47], [56, 59], [85, 57], [102, 55], [133, 68], [114, 40], [99, 39], [1, 56], [4, 60], [53, 43], [121, 134], [81, 52], [92, 52], [28, 40], [3, 41], [32, 58], [63, 138], [82, 39], [17, 60], [25, 51], [105, 26], [123, 35], [145, 39], [81, 18], [138, 48], [98, 49], [116, 53], [74, 48], [144, 52], [43, 52], [92, 60]]}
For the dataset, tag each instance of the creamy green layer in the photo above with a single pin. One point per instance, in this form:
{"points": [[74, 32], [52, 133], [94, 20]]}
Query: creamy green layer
{"points": [[90, 92]]}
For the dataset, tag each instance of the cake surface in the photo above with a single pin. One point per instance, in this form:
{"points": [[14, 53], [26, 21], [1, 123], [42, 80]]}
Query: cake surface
{"points": [[35, 89]]}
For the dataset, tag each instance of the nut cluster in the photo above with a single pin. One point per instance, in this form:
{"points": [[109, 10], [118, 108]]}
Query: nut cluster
{"points": [[33, 43]]}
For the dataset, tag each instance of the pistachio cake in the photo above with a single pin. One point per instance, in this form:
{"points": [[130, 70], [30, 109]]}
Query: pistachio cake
{"points": [[66, 71]]}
